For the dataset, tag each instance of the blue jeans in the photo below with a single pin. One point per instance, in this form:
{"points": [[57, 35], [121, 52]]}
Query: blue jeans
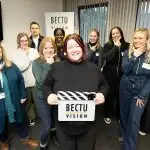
{"points": [[130, 116], [45, 114]]}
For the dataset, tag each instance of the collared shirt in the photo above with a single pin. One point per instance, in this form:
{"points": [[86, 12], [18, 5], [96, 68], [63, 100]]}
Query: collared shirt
{"points": [[36, 41]]}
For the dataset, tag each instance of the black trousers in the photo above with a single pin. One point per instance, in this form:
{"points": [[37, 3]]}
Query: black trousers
{"points": [[145, 120], [84, 141], [30, 107], [54, 115], [111, 105]]}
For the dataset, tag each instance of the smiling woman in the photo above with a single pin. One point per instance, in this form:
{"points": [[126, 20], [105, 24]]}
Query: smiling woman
{"points": [[12, 99], [23, 58], [112, 55], [40, 69], [134, 88], [74, 74], [74, 49], [95, 50], [59, 34]]}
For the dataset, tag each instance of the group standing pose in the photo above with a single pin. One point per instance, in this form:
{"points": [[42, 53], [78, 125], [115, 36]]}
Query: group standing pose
{"points": [[42, 67]]}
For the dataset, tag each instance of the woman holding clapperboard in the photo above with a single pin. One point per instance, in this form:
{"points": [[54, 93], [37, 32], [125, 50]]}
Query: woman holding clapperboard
{"points": [[71, 83]]}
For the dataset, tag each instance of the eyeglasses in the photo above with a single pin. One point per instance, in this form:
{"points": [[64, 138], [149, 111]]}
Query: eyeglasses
{"points": [[23, 41]]}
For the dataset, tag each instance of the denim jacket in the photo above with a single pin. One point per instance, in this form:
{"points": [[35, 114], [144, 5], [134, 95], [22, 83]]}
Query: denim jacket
{"points": [[137, 75]]}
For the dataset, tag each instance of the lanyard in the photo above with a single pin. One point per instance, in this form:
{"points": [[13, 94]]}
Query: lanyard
{"points": [[1, 79]]}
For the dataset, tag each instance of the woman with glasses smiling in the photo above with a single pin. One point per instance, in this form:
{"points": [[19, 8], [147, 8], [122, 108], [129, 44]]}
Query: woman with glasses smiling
{"points": [[23, 57]]}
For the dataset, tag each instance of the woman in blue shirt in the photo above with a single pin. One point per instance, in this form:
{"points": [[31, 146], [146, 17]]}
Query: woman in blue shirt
{"points": [[134, 88], [12, 98]]}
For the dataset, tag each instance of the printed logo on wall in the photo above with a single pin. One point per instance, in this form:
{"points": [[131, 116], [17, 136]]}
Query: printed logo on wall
{"points": [[55, 20]]}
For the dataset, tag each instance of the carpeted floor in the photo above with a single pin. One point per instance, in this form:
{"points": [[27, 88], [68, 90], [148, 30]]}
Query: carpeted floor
{"points": [[106, 139]]}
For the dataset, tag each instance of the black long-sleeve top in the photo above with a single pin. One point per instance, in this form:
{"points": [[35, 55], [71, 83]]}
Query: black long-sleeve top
{"points": [[82, 77], [95, 56], [112, 54]]}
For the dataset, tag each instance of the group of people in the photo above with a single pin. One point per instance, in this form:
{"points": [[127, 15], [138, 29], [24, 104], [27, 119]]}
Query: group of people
{"points": [[20, 100], [126, 68], [118, 74]]}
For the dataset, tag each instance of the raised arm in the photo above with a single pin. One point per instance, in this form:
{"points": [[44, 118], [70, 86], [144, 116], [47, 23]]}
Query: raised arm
{"points": [[109, 51], [40, 71], [128, 63], [48, 83]]}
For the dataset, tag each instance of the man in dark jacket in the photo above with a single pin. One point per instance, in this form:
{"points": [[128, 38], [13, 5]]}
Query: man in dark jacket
{"points": [[35, 37]]}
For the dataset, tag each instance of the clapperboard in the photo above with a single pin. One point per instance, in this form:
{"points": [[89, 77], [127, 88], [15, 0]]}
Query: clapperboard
{"points": [[76, 106]]}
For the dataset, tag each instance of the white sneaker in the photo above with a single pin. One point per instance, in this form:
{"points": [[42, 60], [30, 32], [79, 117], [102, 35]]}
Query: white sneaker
{"points": [[142, 133], [120, 139], [107, 120], [32, 123]]}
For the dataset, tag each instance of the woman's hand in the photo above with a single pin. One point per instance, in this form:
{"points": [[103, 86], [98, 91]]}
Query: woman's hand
{"points": [[23, 101], [53, 99], [99, 98], [140, 103], [117, 43], [138, 52], [93, 48], [50, 59]]}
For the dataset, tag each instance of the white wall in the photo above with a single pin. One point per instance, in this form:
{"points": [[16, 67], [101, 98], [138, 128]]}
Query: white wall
{"points": [[17, 15]]}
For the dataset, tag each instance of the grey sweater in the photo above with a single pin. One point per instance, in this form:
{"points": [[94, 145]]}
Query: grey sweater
{"points": [[40, 70]]}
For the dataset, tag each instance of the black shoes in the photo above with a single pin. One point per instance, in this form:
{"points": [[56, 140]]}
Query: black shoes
{"points": [[55, 140]]}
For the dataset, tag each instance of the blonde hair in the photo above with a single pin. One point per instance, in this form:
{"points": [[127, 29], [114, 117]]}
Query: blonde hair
{"points": [[7, 62], [132, 48], [20, 35], [98, 35], [42, 46]]}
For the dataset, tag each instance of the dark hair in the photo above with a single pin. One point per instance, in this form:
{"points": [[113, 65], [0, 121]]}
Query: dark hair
{"points": [[59, 29], [121, 33], [33, 22], [79, 40]]}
